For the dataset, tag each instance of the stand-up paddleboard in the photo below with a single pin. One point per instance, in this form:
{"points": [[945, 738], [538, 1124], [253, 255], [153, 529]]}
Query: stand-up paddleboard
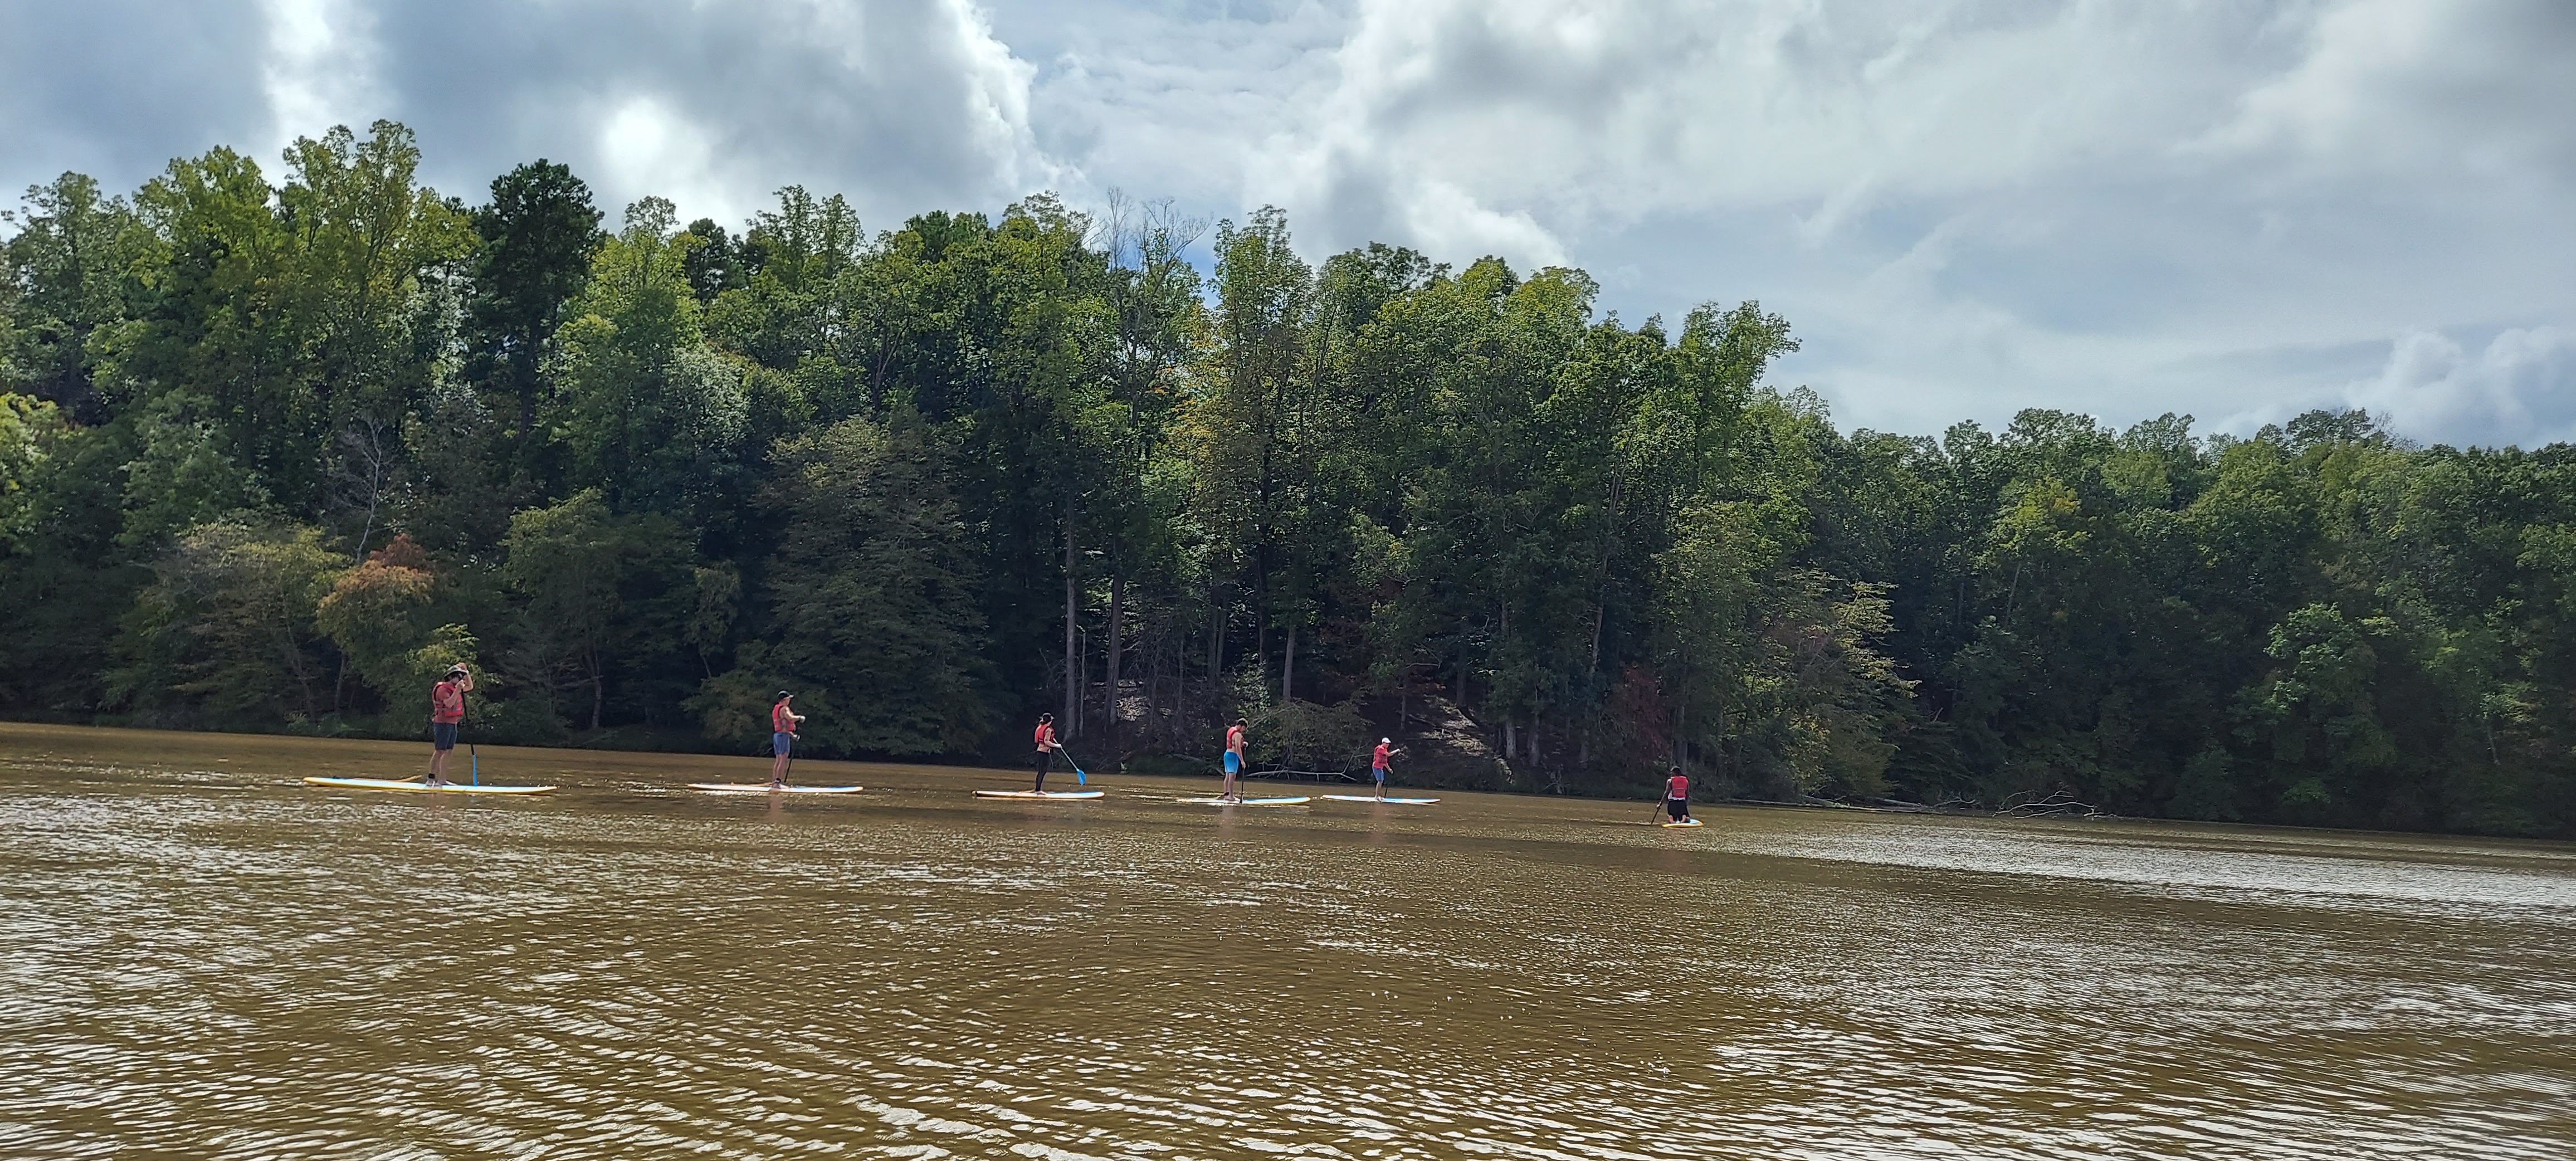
{"points": [[1680, 825], [765, 788], [1036, 794], [1374, 798], [423, 787], [1244, 801]]}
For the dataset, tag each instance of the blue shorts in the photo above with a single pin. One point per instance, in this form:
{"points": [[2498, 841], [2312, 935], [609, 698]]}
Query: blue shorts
{"points": [[1379, 771], [1233, 762], [442, 735], [778, 742]]}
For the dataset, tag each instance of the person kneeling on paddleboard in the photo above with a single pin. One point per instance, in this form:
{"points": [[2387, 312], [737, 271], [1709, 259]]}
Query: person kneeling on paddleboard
{"points": [[1378, 761], [1047, 746], [446, 712], [783, 720], [1234, 759], [1677, 796]]}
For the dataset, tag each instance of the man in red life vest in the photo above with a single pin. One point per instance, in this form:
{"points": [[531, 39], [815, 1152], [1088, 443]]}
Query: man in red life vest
{"points": [[1047, 746], [1378, 763], [1677, 796], [1233, 759], [446, 712], [782, 737]]}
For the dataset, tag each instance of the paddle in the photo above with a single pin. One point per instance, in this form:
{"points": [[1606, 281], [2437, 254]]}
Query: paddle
{"points": [[1079, 778], [473, 760]]}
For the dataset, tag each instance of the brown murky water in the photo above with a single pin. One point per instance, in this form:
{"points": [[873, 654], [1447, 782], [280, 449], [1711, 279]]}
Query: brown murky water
{"points": [[201, 957]]}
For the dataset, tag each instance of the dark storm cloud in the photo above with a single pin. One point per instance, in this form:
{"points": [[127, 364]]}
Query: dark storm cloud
{"points": [[2238, 210], [904, 105], [115, 88]]}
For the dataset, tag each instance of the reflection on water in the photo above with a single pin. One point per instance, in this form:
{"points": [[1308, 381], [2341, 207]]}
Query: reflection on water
{"points": [[200, 957]]}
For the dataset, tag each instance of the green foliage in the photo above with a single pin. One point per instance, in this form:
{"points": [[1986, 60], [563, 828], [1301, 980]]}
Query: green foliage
{"points": [[596, 592], [27, 424], [386, 618], [225, 633], [537, 236], [304, 442], [872, 598]]}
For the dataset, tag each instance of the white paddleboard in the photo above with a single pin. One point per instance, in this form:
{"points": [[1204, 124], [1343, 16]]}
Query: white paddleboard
{"points": [[1370, 798], [1244, 802], [1682, 825], [1038, 794], [423, 787], [765, 788]]}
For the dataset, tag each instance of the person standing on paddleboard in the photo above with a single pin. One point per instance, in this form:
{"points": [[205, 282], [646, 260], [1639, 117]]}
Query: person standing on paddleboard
{"points": [[783, 720], [1677, 796], [446, 713], [1378, 763], [1047, 746], [1234, 759]]}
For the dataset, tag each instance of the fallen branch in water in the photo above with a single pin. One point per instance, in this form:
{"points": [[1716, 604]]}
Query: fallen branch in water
{"points": [[2060, 802]]}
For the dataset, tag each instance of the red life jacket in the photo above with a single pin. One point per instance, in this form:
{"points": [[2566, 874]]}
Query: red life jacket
{"points": [[1677, 787], [1046, 736], [446, 703], [782, 719]]}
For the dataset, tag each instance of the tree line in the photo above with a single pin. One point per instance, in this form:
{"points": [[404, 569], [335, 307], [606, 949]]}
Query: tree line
{"points": [[274, 453]]}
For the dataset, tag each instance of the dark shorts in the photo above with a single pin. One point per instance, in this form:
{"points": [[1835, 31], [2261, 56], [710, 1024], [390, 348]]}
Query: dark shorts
{"points": [[442, 735], [779, 740], [1679, 808], [1045, 761]]}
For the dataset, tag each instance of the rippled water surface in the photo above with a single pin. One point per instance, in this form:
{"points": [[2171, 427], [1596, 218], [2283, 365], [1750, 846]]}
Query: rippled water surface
{"points": [[200, 956]]}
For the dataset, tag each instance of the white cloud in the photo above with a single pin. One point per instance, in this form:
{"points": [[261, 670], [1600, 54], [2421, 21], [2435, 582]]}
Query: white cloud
{"points": [[1965, 207], [2520, 389], [645, 145], [2477, 89], [318, 69], [905, 105]]}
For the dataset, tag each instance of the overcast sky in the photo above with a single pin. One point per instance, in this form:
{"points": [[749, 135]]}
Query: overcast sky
{"points": [[2235, 210]]}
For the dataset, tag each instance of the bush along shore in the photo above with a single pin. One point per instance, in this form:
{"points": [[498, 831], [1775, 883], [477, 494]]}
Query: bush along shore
{"points": [[279, 444]]}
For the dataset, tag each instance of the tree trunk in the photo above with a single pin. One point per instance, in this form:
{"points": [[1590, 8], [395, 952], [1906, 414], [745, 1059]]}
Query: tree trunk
{"points": [[1216, 636], [598, 691], [1117, 610], [1154, 670], [1072, 675], [1288, 672]]}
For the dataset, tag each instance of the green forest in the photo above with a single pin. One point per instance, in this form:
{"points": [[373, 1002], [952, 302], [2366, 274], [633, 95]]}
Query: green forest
{"points": [[276, 448]]}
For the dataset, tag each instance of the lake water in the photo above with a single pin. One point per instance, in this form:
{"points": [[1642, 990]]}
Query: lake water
{"points": [[201, 957]]}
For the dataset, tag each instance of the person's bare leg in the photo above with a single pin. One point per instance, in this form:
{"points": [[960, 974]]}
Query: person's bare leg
{"points": [[778, 769]]}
